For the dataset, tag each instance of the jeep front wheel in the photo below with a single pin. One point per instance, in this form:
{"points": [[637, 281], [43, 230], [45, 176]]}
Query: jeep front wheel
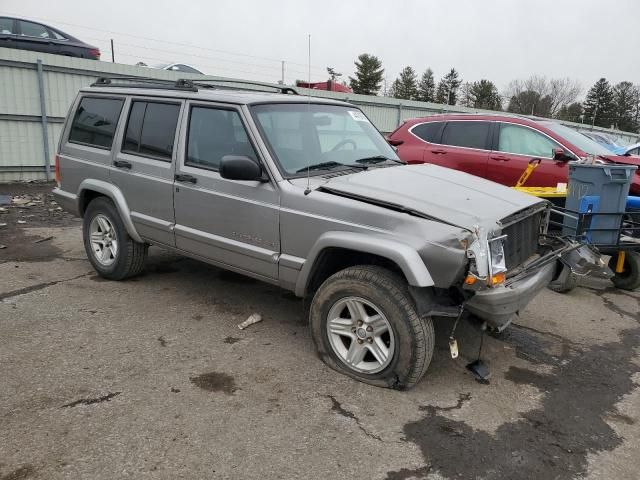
{"points": [[364, 324]]}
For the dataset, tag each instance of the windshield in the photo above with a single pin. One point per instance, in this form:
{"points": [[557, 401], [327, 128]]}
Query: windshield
{"points": [[576, 138], [302, 135]]}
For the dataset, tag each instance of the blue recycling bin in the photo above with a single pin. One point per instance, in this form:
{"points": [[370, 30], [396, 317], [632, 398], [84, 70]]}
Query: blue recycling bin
{"points": [[601, 189]]}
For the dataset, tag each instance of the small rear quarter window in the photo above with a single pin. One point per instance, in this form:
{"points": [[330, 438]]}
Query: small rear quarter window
{"points": [[429, 131], [95, 121]]}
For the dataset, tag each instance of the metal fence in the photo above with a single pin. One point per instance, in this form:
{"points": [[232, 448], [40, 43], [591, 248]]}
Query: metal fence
{"points": [[37, 89]]}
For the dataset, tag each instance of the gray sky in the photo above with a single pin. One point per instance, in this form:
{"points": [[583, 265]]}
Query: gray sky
{"points": [[496, 39]]}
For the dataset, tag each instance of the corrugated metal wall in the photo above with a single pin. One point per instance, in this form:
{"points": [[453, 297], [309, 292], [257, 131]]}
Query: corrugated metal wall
{"points": [[22, 152]]}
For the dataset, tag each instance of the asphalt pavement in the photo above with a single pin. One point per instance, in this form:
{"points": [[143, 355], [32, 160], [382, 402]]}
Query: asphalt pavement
{"points": [[151, 378]]}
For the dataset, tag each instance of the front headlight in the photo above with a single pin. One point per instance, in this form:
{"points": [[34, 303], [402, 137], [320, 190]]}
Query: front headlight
{"points": [[496, 255]]}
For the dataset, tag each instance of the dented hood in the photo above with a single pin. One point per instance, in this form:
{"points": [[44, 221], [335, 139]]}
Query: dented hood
{"points": [[446, 195]]}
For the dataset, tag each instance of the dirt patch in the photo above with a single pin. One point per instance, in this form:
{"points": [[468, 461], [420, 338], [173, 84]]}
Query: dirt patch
{"points": [[549, 442], [25, 205], [215, 382], [231, 340], [22, 473]]}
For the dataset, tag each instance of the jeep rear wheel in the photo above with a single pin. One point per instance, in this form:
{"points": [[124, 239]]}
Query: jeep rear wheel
{"points": [[111, 251], [364, 324]]}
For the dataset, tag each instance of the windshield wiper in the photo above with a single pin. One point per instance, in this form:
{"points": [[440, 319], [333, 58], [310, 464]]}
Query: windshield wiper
{"points": [[329, 166], [379, 159]]}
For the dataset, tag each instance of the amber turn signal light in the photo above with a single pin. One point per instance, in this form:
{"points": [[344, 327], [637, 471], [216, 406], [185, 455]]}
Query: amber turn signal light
{"points": [[470, 280]]}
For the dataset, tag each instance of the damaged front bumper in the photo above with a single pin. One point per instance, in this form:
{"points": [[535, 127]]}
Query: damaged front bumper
{"points": [[498, 305]]}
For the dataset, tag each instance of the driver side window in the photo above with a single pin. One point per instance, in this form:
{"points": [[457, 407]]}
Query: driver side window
{"points": [[525, 141], [214, 133]]}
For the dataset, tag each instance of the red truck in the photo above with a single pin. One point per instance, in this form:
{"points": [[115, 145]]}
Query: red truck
{"points": [[330, 85]]}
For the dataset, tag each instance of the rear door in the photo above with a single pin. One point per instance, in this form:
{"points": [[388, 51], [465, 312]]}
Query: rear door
{"points": [[422, 138], [232, 223], [143, 166], [516, 146], [464, 146]]}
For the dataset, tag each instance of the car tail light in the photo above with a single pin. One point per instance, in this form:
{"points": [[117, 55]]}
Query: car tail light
{"points": [[57, 170], [95, 52]]}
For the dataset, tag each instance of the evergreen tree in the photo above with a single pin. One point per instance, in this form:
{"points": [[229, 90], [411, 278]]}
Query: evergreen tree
{"points": [[530, 102], [485, 95], [624, 103], [452, 82], [368, 76], [571, 112], [598, 107], [406, 85], [426, 87], [442, 92]]}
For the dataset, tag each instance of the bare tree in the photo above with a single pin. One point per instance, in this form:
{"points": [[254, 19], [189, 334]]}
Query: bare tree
{"points": [[556, 92], [562, 91]]}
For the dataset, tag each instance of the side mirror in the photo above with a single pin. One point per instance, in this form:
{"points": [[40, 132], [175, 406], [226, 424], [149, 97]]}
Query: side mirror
{"points": [[561, 154], [394, 143], [235, 167]]}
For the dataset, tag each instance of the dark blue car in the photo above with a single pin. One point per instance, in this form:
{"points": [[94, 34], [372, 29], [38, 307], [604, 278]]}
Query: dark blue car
{"points": [[28, 35]]}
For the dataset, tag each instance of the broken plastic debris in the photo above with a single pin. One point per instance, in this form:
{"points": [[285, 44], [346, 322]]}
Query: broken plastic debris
{"points": [[453, 347], [253, 318], [2, 246]]}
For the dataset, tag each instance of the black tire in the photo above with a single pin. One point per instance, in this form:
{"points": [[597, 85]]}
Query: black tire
{"points": [[629, 279], [414, 337], [131, 255], [564, 279]]}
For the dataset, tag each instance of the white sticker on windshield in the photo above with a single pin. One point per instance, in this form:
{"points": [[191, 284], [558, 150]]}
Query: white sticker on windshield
{"points": [[358, 116]]}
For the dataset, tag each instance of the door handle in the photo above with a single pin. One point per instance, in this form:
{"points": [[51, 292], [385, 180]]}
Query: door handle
{"points": [[438, 151], [500, 158], [122, 164], [181, 177]]}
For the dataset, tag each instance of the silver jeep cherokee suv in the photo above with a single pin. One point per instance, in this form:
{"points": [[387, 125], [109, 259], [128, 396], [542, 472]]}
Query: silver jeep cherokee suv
{"points": [[306, 194]]}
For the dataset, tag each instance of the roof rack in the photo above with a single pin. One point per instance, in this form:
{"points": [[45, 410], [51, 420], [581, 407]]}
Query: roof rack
{"points": [[238, 85], [186, 84], [146, 82]]}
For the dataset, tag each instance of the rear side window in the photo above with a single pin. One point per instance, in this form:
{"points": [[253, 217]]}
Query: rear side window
{"points": [[95, 121], [214, 133], [151, 129], [466, 134], [6, 26], [429, 132]]}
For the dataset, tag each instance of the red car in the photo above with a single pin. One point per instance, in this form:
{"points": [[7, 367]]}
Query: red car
{"points": [[499, 147]]}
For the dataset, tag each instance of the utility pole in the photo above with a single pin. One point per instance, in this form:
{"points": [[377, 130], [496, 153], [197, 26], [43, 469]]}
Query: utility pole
{"points": [[113, 55], [595, 112], [282, 79]]}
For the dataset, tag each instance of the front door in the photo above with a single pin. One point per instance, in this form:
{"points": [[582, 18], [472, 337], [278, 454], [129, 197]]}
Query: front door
{"points": [[517, 145], [143, 165], [231, 223], [33, 36]]}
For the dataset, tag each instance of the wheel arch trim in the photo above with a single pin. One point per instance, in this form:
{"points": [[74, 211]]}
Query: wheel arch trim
{"points": [[115, 195], [403, 255]]}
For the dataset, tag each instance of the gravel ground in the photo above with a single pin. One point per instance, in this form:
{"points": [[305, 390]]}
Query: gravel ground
{"points": [[151, 378]]}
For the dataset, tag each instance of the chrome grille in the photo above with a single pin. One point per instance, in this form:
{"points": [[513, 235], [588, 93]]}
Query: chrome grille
{"points": [[522, 240]]}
